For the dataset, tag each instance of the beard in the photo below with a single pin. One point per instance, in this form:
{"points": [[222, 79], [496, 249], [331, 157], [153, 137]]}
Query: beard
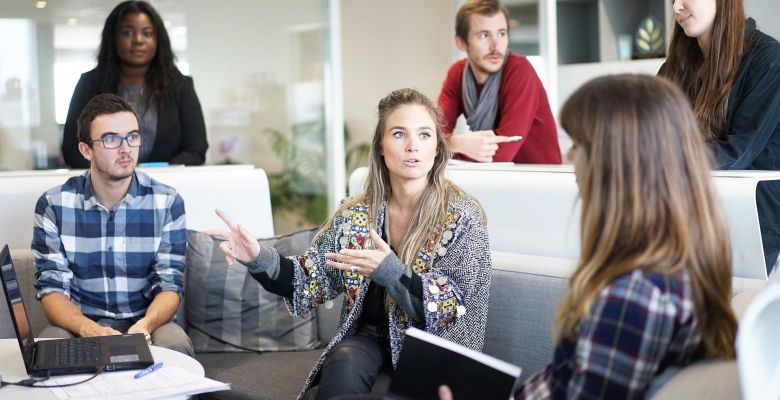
{"points": [[116, 175]]}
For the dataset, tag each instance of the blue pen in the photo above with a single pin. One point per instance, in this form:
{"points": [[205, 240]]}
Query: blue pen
{"points": [[149, 370]]}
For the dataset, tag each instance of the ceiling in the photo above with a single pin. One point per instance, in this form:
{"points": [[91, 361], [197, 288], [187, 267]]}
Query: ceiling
{"points": [[91, 12]]}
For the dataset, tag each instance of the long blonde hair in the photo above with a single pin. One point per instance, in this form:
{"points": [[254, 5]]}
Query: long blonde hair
{"points": [[647, 200], [433, 204]]}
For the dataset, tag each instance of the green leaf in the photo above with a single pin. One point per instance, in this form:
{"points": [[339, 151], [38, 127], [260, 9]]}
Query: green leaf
{"points": [[643, 34]]}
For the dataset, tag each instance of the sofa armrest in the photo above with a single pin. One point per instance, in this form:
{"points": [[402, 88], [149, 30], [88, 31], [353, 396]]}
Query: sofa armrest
{"points": [[25, 272], [707, 379]]}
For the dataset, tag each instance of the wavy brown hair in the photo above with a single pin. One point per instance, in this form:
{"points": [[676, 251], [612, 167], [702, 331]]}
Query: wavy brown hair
{"points": [[707, 79], [647, 200]]}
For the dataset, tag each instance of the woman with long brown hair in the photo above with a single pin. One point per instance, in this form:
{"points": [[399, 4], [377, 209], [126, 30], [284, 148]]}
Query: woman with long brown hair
{"points": [[730, 72], [651, 289], [410, 250]]}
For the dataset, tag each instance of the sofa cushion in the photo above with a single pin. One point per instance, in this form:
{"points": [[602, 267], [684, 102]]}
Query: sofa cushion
{"points": [[707, 379], [271, 375], [24, 264], [524, 296], [227, 310]]}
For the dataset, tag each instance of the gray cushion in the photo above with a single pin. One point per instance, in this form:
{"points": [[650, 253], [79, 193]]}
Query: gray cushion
{"points": [[272, 375], [25, 273], [520, 316], [228, 310], [706, 379]]}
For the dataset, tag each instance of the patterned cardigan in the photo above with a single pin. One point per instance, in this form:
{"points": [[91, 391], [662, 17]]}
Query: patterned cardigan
{"points": [[454, 265]]}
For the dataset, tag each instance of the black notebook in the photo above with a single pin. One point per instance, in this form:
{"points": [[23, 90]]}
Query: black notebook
{"points": [[428, 361]]}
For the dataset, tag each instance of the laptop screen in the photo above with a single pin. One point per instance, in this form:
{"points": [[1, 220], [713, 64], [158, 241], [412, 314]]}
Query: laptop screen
{"points": [[13, 295]]}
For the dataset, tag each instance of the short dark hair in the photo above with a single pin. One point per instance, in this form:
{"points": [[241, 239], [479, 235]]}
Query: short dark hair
{"points": [[481, 7], [102, 104]]}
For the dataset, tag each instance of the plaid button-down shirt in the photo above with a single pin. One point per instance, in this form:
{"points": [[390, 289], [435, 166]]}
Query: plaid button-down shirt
{"points": [[111, 264], [641, 323]]}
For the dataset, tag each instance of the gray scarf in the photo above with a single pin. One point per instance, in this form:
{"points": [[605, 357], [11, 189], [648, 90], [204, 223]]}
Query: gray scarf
{"points": [[481, 108]]}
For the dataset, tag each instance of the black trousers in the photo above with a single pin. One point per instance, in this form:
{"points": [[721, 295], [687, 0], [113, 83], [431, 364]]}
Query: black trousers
{"points": [[353, 365]]}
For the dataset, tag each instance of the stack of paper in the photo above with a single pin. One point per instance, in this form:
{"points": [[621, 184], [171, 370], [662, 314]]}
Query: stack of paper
{"points": [[165, 382]]}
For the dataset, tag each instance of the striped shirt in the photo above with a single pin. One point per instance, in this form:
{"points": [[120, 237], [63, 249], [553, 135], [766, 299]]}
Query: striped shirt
{"points": [[641, 323], [111, 264]]}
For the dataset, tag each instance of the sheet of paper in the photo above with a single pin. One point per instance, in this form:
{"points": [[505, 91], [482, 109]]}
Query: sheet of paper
{"points": [[165, 382], [453, 161]]}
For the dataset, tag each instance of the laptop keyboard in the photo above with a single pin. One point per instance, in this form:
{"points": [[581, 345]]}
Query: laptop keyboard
{"points": [[73, 353]]}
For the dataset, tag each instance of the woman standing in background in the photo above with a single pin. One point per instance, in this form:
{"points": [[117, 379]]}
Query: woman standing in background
{"points": [[135, 61]]}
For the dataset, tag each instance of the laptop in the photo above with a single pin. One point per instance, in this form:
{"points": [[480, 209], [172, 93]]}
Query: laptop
{"points": [[68, 356]]}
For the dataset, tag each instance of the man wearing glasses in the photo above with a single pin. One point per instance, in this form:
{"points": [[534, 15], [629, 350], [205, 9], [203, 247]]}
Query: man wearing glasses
{"points": [[109, 244]]}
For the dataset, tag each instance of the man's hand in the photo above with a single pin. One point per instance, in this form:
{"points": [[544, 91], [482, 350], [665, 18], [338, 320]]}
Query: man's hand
{"points": [[141, 327], [477, 145], [94, 329], [64, 314]]}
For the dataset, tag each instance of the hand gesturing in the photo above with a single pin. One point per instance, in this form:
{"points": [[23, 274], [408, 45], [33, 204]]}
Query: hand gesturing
{"points": [[238, 243], [362, 262]]}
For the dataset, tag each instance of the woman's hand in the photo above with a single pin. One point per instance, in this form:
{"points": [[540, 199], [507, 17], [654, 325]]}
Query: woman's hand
{"points": [[238, 243], [445, 393], [362, 262]]}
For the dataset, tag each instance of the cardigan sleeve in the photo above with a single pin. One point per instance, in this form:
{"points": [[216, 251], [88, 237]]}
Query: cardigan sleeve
{"points": [[403, 286], [456, 288], [314, 282], [274, 273], [193, 146], [85, 89]]}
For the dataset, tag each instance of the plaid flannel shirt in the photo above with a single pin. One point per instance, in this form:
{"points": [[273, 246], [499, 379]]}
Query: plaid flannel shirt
{"points": [[111, 264], [641, 323]]}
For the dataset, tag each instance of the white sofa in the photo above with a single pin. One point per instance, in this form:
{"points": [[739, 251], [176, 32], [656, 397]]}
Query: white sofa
{"points": [[240, 190]]}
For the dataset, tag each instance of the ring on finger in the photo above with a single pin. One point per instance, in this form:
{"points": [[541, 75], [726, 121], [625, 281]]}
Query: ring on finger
{"points": [[352, 268]]}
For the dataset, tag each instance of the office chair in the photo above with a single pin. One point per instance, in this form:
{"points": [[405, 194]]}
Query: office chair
{"points": [[758, 349]]}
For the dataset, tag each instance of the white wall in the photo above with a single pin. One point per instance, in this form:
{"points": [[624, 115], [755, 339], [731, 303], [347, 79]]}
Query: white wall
{"points": [[244, 58], [389, 45], [767, 15]]}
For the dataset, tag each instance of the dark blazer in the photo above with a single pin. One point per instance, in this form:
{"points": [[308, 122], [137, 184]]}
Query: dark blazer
{"points": [[181, 130], [752, 141]]}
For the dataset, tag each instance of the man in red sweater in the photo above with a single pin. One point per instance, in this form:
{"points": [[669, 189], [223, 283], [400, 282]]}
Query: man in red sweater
{"points": [[499, 93]]}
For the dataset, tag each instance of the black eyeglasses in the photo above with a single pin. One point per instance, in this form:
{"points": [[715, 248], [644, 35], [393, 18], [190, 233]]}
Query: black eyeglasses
{"points": [[113, 141]]}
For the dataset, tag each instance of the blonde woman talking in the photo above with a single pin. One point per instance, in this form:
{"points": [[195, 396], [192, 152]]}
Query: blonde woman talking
{"points": [[410, 250]]}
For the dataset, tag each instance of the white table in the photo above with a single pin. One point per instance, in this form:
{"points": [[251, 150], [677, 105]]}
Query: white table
{"points": [[12, 369]]}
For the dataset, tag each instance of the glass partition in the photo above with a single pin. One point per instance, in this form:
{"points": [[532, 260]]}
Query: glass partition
{"points": [[259, 69]]}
